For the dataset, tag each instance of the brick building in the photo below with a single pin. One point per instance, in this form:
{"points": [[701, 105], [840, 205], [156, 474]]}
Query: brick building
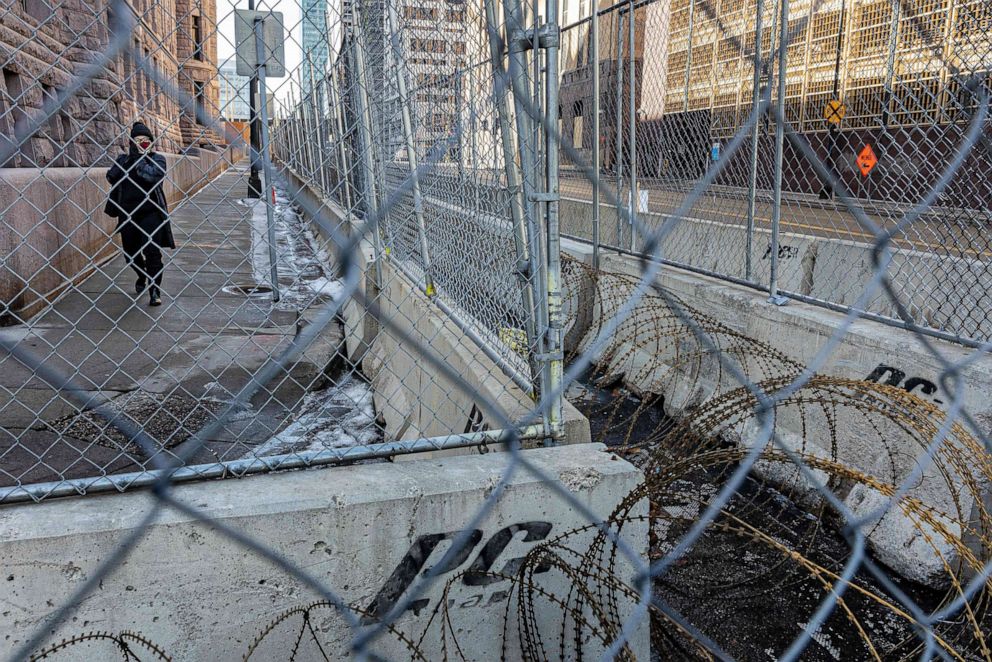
{"points": [[44, 45]]}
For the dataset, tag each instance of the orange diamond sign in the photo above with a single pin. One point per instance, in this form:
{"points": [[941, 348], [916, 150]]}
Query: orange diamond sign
{"points": [[866, 160]]}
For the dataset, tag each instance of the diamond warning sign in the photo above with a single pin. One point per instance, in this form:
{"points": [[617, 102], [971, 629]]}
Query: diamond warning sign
{"points": [[834, 111], [866, 160]]}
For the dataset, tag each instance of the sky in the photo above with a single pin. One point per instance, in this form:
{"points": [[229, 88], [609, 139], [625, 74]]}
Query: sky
{"points": [[291, 13]]}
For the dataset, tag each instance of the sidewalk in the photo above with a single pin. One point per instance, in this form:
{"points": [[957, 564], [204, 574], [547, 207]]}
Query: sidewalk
{"points": [[172, 368]]}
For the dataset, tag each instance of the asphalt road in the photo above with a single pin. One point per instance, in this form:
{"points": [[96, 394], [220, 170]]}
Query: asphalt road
{"points": [[932, 233]]}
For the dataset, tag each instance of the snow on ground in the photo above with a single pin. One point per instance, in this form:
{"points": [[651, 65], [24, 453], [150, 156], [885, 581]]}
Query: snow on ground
{"points": [[336, 417], [341, 415], [302, 262]]}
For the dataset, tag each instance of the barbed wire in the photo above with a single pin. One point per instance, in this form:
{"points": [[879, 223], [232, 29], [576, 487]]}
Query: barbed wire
{"points": [[672, 455]]}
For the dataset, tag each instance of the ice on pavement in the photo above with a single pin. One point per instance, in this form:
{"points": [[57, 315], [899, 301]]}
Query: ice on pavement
{"points": [[342, 414]]}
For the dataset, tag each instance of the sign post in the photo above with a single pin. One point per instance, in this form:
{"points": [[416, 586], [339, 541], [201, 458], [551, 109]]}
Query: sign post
{"points": [[260, 37]]}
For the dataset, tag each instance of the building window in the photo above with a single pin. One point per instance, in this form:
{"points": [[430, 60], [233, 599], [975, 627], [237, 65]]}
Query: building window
{"points": [[427, 45], [201, 107], [456, 15], [39, 10], [416, 12], [458, 48], [12, 112], [149, 100], [198, 38]]}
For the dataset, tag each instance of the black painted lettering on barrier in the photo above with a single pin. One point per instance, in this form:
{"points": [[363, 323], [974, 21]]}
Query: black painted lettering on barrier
{"points": [[476, 574], [423, 547], [785, 252], [411, 564], [894, 377], [476, 422]]}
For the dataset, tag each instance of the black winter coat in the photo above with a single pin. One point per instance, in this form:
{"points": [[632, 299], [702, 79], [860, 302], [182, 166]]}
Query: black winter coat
{"points": [[136, 195]]}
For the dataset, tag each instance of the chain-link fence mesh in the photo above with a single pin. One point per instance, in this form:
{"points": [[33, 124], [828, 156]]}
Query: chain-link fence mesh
{"points": [[882, 92], [358, 240]]}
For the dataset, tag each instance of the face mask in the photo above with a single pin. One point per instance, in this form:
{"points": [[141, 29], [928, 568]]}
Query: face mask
{"points": [[144, 143]]}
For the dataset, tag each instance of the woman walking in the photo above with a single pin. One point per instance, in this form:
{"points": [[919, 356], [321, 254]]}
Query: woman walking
{"points": [[138, 203]]}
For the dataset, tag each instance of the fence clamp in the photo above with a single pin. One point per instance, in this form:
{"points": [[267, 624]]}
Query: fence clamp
{"points": [[543, 197], [548, 35]]}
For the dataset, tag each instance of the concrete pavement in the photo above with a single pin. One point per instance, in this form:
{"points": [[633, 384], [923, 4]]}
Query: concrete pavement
{"points": [[172, 368]]}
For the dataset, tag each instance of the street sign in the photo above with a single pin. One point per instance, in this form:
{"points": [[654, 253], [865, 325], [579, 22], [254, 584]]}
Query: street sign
{"points": [[273, 40], [866, 160], [835, 111]]}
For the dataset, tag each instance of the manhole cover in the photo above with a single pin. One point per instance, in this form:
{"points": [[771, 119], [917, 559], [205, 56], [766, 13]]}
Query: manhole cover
{"points": [[248, 290]]}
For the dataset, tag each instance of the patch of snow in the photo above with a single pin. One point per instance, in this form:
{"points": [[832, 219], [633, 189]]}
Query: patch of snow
{"points": [[337, 417], [824, 640], [302, 263]]}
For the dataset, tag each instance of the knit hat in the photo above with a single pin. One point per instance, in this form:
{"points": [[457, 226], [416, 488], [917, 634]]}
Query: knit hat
{"points": [[140, 129]]}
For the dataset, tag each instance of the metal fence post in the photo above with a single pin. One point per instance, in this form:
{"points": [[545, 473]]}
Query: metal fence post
{"points": [[364, 119], [266, 164], [342, 154], [752, 187], [773, 295], [526, 130], [688, 60], [318, 125], [553, 349], [632, 119], [525, 263], [597, 166], [411, 150], [890, 63], [618, 125]]}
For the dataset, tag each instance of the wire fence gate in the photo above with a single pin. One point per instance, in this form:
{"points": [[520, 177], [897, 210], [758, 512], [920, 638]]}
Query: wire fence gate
{"points": [[424, 158]]}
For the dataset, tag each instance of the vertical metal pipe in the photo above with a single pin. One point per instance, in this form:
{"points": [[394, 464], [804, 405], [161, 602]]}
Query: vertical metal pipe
{"points": [[632, 120], [318, 125], [618, 125], [752, 185], [552, 148], [595, 134], [526, 130], [688, 55], [773, 295], [411, 150], [269, 192], [513, 183], [344, 172], [366, 148], [890, 66], [254, 183]]}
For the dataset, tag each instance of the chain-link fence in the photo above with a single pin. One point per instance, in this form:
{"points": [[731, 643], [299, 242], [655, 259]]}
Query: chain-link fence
{"points": [[881, 92], [366, 263]]}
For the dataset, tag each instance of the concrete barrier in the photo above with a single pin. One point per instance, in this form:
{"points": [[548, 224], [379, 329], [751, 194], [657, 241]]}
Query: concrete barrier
{"points": [[868, 351], [827, 268], [367, 532], [54, 231], [413, 399]]}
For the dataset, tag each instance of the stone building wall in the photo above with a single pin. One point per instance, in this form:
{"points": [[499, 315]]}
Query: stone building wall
{"points": [[198, 65], [44, 44]]}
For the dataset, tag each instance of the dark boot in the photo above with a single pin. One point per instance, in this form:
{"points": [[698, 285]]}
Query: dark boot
{"points": [[154, 296], [139, 285]]}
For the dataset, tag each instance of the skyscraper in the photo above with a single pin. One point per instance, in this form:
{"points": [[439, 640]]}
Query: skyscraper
{"points": [[315, 41], [233, 92]]}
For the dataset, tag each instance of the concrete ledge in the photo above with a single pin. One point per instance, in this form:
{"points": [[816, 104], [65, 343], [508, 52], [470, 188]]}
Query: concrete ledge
{"points": [[55, 232], [827, 268], [411, 397], [672, 365], [367, 532]]}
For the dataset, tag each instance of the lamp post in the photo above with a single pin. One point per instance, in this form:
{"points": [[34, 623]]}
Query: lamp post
{"points": [[254, 181]]}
